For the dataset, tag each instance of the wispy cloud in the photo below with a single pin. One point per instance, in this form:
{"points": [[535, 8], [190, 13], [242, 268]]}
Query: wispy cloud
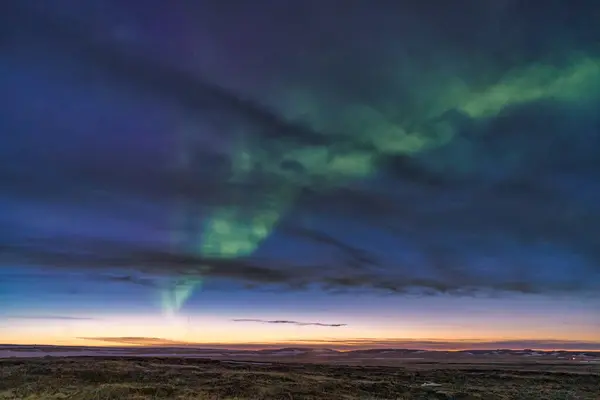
{"points": [[50, 317], [139, 341], [276, 321], [370, 343], [462, 344]]}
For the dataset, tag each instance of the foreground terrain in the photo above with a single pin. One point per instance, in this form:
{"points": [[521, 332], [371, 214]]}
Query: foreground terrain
{"points": [[89, 378]]}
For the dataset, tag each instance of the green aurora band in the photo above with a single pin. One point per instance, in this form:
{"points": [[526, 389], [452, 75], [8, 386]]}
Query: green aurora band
{"points": [[232, 232]]}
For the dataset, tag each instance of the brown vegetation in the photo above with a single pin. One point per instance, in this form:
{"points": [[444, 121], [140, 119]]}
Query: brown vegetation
{"points": [[180, 378]]}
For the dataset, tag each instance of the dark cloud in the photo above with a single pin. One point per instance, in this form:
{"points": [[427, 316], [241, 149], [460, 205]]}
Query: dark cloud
{"points": [[510, 204], [264, 321], [145, 264], [352, 254], [128, 279], [147, 75]]}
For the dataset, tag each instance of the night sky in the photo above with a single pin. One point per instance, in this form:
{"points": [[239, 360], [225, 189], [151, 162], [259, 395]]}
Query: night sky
{"points": [[383, 173]]}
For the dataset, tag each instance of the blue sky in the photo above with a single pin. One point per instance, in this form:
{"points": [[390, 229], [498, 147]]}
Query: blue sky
{"points": [[408, 172]]}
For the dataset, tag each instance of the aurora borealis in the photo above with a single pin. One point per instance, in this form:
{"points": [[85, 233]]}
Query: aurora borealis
{"points": [[407, 169]]}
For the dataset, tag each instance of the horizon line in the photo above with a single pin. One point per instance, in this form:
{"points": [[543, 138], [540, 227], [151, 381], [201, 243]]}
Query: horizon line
{"points": [[279, 346]]}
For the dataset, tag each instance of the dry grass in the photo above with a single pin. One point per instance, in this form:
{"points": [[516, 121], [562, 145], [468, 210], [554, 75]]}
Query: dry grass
{"points": [[119, 378]]}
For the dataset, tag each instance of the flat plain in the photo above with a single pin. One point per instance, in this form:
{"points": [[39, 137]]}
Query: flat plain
{"points": [[125, 377]]}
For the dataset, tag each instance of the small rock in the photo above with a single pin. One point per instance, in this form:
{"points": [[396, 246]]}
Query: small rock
{"points": [[431, 384]]}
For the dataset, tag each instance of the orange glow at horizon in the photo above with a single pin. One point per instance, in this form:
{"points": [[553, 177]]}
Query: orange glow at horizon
{"points": [[215, 331]]}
